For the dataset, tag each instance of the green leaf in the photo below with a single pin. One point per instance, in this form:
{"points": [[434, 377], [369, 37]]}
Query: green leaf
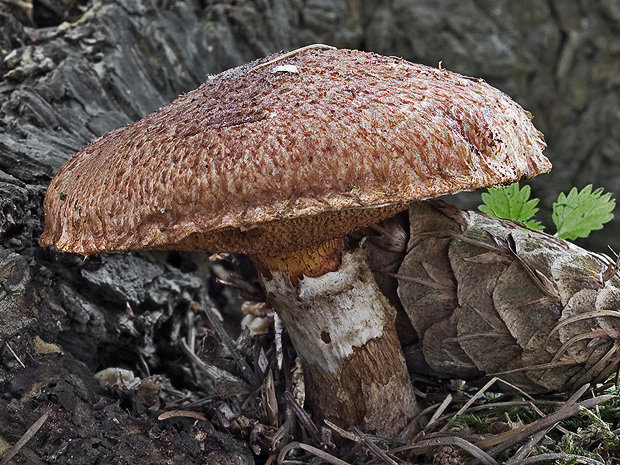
{"points": [[579, 213], [511, 203]]}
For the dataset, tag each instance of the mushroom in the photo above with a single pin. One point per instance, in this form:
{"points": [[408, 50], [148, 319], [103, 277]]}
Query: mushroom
{"points": [[281, 159]]}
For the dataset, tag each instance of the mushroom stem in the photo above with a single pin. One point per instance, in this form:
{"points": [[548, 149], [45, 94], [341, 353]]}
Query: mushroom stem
{"points": [[343, 330]]}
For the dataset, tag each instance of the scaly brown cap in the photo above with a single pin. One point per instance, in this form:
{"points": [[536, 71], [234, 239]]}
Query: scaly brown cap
{"points": [[289, 155]]}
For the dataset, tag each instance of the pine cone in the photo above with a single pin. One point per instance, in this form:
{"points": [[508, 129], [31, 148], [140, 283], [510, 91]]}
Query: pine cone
{"points": [[490, 297]]}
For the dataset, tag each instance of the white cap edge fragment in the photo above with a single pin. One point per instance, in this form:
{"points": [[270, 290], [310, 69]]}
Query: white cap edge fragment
{"points": [[285, 69]]}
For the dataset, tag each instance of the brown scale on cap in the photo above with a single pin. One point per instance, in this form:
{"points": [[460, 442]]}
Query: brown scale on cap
{"points": [[281, 160], [256, 161]]}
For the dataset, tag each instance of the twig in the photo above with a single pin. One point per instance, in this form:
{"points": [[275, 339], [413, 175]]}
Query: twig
{"points": [[527, 449], [412, 424], [516, 388], [549, 420], [540, 413], [478, 394], [216, 374], [537, 437], [557, 456], [381, 455], [345, 434], [293, 52], [181, 413], [20, 3], [144, 365], [501, 405], [304, 419], [435, 440], [28, 435], [270, 400], [285, 429], [230, 345], [15, 355], [191, 337], [313, 450], [577, 394], [442, 407], [496, 439]]}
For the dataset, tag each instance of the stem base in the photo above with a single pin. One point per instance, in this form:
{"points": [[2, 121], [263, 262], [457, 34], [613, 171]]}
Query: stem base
{"points": [[343, 329]]}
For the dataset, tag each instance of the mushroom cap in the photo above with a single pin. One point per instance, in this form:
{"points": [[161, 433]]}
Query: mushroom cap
{"points": [[288, 155]]}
